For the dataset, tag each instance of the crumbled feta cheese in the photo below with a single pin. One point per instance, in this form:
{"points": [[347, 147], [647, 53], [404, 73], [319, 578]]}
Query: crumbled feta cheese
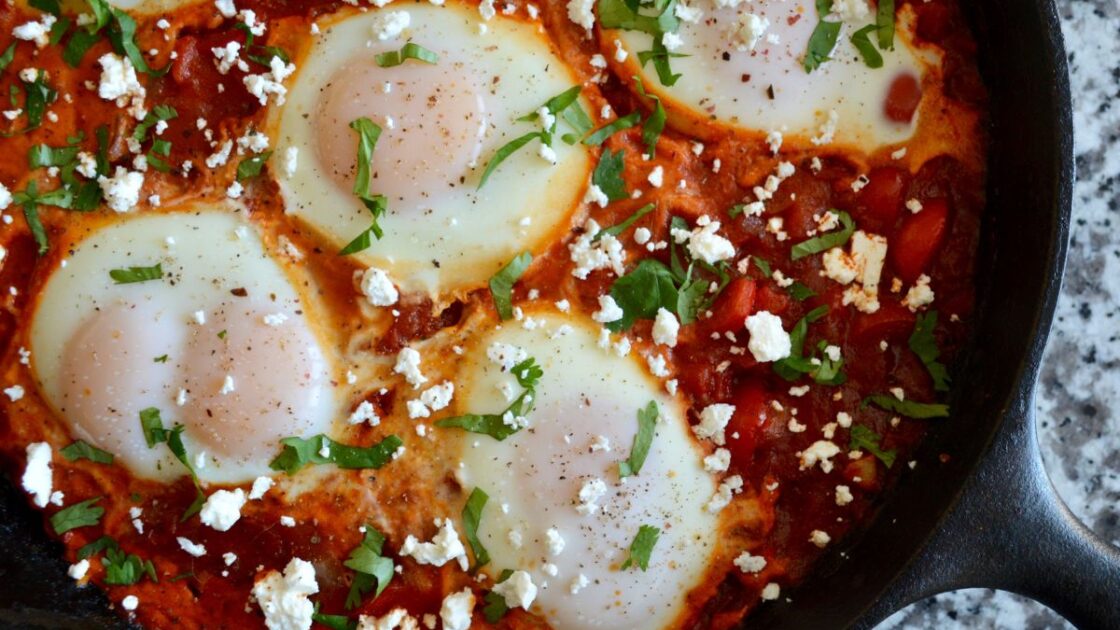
{"points": [[130, 602], [750, 564], [408, 365], [445, 546], [364, 412], [914, 206], [191, 547], [769, 341], [590, 493], [728, 488], [455, 611], [609, 310], [229, 558], [378, 288], [590, 255], [284, 598], [555, 541], [656, 176], [518, 590], [750, 29], [704, 243], [78, 570], [506, 355], [38, 32], [37, 479], [919, 295], [226, 8], [288, 521], [389, 24], [821, 451], [718, 461], [850, 10], [596, 195], [843, 495], [713, 421], [261, 485], [14, 393], [827, 131], [819, 538], [657, 365], [581, 12], [122, 190], [771, 592], [222, 509], [270, 83]]}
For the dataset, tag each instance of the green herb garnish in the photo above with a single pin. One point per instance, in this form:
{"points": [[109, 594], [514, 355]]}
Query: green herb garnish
{"points": [[408, 51], [131, 275], [83, 450], [642, 547], [502, 425], [864, 439], [647, 420], [908, 408], [923, 344], [371, 568], [825, 242], [299, 452], [78, 515], [501, 284], [472, 516]]}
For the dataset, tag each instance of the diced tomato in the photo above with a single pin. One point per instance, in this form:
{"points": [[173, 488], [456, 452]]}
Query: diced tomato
{"points": [[704, 382], [751, 402], [769, 298], [186, 59], [903, 98], [917, 241], [892, 321], [882, 198], [733, 306], [863, 472]]}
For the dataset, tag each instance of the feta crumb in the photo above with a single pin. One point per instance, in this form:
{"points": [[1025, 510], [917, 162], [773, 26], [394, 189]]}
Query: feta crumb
{"points": [[222, 509], [390, 24], [37, 479], [518, 590], [191, 547], [843, 495], [609, 310], [580, 12], [769, 341], [821, 451], [505, 355], [378, 288], [771, 591], [728, 488], [455, 611], [408, 365], [38, 32], [819, 538], [589, 494], [14, 393], [919, 295], [750, 30], [284, 598], [750, 564], [122, 190], [713, 421], [78, 570], [656, 176], [445, 546], [261, 485], [718, 461], [130, 602]]}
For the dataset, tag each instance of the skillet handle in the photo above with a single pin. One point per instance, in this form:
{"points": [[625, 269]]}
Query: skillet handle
{"points": [[1011, 531]]}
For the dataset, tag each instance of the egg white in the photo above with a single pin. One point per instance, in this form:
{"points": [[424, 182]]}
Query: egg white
{"points": [[442, 234], [722, 84], [533, 479], [95, 345]]}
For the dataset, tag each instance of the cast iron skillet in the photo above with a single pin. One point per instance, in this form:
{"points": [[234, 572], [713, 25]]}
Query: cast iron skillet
{"points": [[986, 517]]}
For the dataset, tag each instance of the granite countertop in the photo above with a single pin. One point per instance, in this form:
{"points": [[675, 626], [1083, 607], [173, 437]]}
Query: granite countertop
{"points": [[1079, 386]]}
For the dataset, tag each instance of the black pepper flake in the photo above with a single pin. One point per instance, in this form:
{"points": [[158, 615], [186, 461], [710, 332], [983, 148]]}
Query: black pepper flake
{"points": [[726, 56], [770, 92], [240, 292]]}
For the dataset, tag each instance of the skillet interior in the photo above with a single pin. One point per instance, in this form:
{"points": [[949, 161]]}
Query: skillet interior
{"points": [[1022, 256], [1023, 241]]}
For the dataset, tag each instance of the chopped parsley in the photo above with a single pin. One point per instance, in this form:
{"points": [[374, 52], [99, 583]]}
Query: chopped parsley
{"points": [[251, 167], [862, 41], [78, 515], [819, 366], [923, 344], [615, 230], [884, 19], [642, 547], [408, 51], [608, 175], [83, 450], [368, 133], [373, 571], [160, 359], [600, 135], [823, 39], [562, 106], [320, 449], [334, 622], [625, 15], [496, 607], [159, 113], [647, 420], [472, 516], [154, 433], [122, 35], [825, 242], [124, 569], [655, 124], [131, 275], [511, 420], [864, 439], [908, 408], [661, 57], [501, 284]]}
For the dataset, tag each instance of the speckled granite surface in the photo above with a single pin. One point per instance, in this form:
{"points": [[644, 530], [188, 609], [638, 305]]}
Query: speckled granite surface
{"points": [[1078, 399]]}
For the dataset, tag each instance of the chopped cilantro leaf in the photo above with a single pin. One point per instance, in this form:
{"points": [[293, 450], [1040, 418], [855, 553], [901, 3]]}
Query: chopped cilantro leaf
{"points": [[647, 421], [615, 230], [132, 275], [502, 425], [825, 242], [642, 547], [606, 131], [862, 41], [372, 569], [823, 39], [501, 283], [408, 51], [908, 408], [78, 515], [251, 167], [83, 450], [608, 175], [320, 449], [864, 439], [368, 134], [472, 516]]}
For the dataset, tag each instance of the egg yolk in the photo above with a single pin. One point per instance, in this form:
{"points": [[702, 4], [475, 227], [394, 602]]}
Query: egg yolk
{"points": [[433, 120]]}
